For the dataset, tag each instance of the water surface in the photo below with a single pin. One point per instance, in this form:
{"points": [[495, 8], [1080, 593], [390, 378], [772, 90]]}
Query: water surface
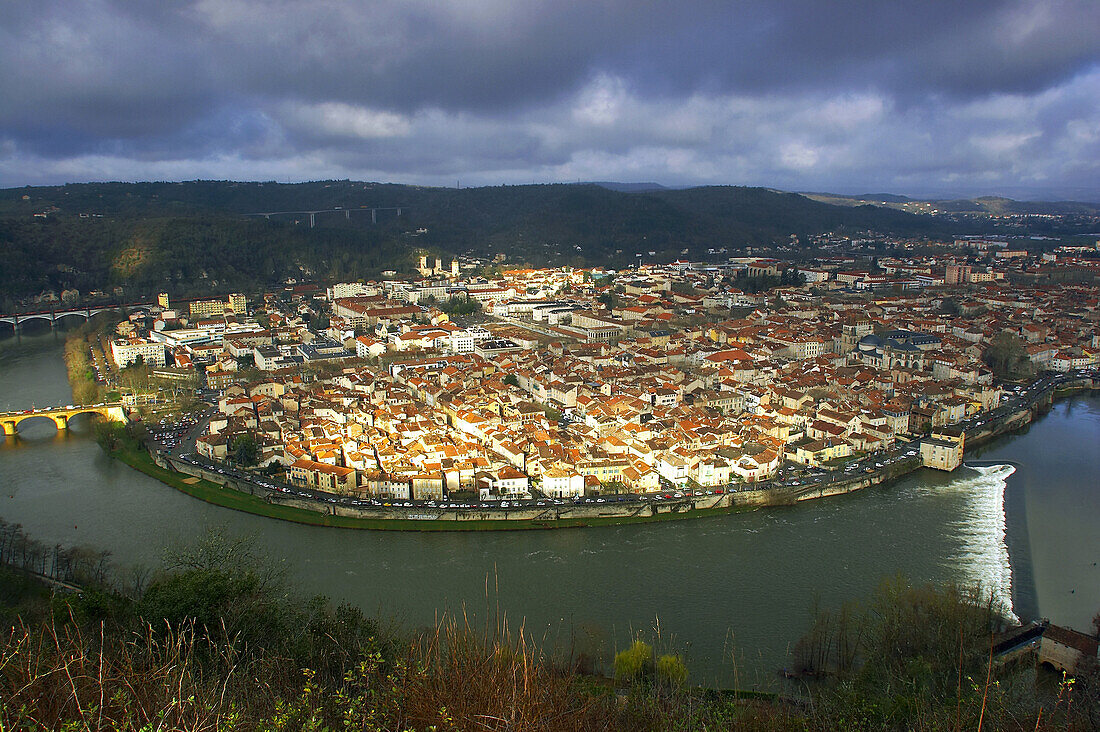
{"points": [[726, 590]]}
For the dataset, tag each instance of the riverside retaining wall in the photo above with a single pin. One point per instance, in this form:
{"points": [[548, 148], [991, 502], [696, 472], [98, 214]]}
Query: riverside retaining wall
{"points": [[577, 514]]}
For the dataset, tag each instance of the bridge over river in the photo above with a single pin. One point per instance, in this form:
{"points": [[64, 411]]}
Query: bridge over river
{"points": [[111, 411], [53, 317]]}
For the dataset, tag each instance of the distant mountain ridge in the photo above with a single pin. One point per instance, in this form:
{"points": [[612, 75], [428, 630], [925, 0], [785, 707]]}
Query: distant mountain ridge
{"points": [[230, 197], [630, 187], [989, 205], [889, 197]]}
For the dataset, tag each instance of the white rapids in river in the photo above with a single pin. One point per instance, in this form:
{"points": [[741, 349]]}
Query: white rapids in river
{"points": [[983, 557]]}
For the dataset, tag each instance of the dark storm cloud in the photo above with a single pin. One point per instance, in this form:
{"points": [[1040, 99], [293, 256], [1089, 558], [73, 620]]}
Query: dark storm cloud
{"points": [[800, 93], [497, 55], [952, 47], [96, 74]]}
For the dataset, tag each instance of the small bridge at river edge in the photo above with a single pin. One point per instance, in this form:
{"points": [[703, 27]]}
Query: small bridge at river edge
{"points": [[111, 411]]}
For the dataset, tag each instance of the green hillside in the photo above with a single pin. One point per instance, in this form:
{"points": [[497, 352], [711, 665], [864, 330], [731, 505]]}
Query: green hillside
{"points": [[195, 236], [185, 255]]}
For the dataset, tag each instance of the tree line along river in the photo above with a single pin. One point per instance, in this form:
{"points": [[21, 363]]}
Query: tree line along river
{"points": [[731, 592]]}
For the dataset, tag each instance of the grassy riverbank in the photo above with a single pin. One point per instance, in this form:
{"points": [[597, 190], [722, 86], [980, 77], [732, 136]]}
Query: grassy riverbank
{"points": [[205, 490], [78, 364], [229, 498], [219, 495]]}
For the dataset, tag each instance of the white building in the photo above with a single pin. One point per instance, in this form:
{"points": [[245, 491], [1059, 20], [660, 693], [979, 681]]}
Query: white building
{"points": [[367, 347], [126, 351], [460, 341], [479, 333], [560, 483], [350, 289], [215, 332], [673, 468]]}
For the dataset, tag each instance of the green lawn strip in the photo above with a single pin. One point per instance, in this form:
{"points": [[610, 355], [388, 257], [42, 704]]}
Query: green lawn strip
{"points": [[228, 498], [213, 493]]}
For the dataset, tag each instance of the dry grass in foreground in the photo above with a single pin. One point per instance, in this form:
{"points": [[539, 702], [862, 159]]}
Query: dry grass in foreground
{"points": [[58, 676]]}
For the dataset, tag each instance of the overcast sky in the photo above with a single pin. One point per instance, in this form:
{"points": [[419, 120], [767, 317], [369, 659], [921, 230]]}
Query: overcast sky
{"points": [[920, 97]]}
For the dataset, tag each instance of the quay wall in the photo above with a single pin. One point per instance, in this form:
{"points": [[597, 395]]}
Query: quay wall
{"points": [[419, 517]]}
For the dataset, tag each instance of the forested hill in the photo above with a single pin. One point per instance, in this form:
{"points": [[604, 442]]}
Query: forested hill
{"points": [[184, 255], [194, 236], [484, 210]]}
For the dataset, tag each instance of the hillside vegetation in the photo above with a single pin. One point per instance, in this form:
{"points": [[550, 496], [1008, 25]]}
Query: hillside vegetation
{"points": [[194, 237], [185, 255], [217, 641]]}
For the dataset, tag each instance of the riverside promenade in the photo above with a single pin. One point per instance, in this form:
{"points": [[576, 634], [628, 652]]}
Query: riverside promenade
{"points": [[244, 491]]}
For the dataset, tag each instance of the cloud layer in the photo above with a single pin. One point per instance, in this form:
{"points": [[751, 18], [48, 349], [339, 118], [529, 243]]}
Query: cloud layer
{"points": [[924, 97]]}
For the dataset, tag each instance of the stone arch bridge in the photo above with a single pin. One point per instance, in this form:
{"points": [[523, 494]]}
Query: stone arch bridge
{"points": [[112, 412]]}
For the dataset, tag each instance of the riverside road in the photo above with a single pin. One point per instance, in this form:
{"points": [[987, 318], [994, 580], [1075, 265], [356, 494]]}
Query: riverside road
{"points": [[790, 482]]}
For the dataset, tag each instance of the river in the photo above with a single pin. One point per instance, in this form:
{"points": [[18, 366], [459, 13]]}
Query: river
{"points": [[730, 592]]}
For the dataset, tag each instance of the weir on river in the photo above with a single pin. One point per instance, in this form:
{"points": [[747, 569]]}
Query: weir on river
{"points": [[732, 590]]}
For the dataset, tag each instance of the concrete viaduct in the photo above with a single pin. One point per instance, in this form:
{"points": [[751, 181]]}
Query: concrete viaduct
{"points": [[346, 211], [60, 415]]}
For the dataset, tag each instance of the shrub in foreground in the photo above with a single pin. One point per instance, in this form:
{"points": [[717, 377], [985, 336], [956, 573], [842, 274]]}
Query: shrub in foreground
{"points": [[635, 662]]}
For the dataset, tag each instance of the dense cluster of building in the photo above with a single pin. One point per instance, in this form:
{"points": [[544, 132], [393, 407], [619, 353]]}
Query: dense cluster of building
{"points": [[578, 380]]}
